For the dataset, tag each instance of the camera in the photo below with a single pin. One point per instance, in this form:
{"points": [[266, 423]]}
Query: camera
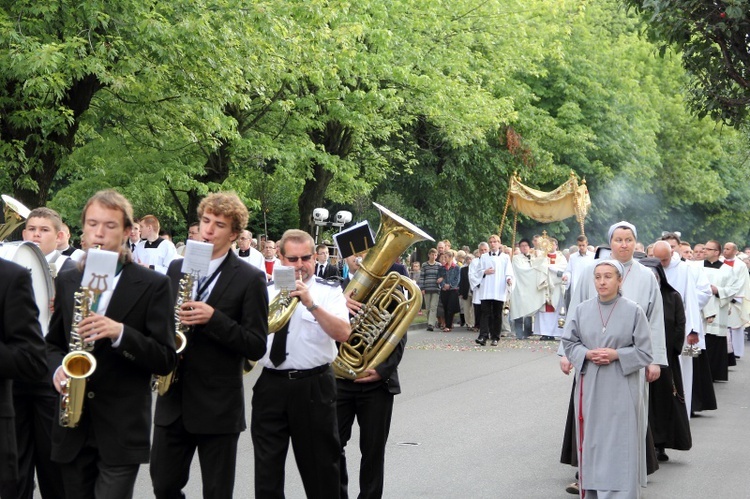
{"points": [[320, 214]]}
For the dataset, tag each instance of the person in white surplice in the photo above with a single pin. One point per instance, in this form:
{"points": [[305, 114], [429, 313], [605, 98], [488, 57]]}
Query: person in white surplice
{"points": [[608, 341]]}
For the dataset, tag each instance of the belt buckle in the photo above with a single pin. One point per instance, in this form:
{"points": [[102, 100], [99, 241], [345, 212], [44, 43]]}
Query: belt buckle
{"points": [[292, 374]]}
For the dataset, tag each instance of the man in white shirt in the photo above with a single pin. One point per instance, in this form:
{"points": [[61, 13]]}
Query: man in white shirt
{"points": [[296, 377], [153, 251], [497, 275], [64, 247], [247, 253]]}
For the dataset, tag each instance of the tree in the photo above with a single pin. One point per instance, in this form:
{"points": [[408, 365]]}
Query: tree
{"points": [[713, 38]]}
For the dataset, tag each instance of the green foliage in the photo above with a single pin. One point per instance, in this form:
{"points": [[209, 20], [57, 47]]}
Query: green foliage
{"points": [[426, 107], [713, 39]]}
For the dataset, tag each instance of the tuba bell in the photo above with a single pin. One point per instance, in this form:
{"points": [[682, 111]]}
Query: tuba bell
{"points": [[391, 301], [14, 213]]}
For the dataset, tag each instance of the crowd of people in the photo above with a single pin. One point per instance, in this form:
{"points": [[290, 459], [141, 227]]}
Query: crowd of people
{"points": [[646, 330]]}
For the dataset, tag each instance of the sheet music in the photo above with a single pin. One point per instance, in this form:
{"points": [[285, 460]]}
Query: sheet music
{"points": [[284, 278], [101, 266], [197, 257]]}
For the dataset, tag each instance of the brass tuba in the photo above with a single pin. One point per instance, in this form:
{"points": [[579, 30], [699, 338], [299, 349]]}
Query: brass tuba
{"points": [[161, 384], [14, 213], [78, 364], [388, 309]]}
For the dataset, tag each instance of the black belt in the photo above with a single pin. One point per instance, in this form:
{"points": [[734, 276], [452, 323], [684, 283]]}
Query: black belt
{"points": [[297, 373]]}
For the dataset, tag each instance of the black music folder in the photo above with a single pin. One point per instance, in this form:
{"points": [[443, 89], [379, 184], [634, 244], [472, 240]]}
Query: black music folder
{"points": [[356, 239]]}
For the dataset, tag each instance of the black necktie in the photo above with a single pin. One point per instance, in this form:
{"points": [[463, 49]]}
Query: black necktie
{"points": [[132, 247], [320, 269], [278, 347]]}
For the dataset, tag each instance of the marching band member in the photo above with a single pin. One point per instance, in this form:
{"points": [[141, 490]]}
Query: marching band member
{"points": [[133, 332], [205, 408], [295, 396], [22, 357]]}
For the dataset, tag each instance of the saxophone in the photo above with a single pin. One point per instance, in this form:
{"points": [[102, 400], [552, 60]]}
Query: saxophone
{"points": [[78, 364], [390, 301], [161, 384]]}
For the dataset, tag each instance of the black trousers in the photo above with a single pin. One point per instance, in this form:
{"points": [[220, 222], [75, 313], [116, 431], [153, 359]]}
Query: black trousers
{"points": [[303, 411], [522, 327], [477, 314], [172, 452], [8, 459], [35, 405], [88, 477], [492, 317], [372, 407]]}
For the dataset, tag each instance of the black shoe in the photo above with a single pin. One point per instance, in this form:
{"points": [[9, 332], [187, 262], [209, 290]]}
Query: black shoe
{"points": [[481, 341], [430, 328], [661, 455], [572, 488], [494, 343]]}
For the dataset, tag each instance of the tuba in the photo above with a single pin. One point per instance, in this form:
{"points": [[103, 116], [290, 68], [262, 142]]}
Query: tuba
{"points": [[161, 384], [78, 364], [14, 214], [390, 301]]}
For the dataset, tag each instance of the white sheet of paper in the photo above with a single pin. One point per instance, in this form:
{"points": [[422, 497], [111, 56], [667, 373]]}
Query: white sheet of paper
{"points": [[99, 273], [284, 278], [197, 257]]}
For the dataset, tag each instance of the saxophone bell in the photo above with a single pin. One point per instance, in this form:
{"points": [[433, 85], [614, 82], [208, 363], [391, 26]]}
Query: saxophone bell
{"points": [[162, 383]]}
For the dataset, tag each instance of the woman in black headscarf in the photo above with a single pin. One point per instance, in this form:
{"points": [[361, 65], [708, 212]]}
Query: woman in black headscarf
{"points": [[668, 416]]}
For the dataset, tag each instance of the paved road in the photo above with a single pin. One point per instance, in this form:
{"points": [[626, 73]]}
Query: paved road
{"points": [[487, 423]]}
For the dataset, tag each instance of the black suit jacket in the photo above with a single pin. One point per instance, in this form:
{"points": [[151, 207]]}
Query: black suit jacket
{"points": [[209, 393], [117, 409], [463, 282], [330, 271], [22, 355]]}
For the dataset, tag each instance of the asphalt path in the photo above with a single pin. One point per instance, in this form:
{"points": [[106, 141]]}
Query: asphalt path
{"points": [[487, 422]]}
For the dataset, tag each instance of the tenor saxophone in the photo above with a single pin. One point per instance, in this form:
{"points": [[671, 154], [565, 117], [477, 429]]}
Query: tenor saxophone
{"points": [[161, 384], [78, 364]]}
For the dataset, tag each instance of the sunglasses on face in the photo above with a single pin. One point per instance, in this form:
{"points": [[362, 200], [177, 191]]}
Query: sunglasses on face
{"points": [[293, 259]]}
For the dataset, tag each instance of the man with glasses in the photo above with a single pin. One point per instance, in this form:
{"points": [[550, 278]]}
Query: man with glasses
{"points": [[247, 253], [295, 395], [269, 258], [323, 268]]}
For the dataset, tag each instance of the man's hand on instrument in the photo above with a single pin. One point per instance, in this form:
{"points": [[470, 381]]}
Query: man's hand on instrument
{"points": [[353, 305], [303, 293], [96, 327], [58, 379], [372, 376], [193, 313]]}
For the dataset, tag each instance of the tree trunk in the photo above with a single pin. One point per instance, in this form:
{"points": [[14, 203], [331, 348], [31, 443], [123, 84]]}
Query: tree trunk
{"points": [[337, 140]]}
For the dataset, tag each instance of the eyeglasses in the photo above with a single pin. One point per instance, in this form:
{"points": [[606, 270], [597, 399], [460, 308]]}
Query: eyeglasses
{"points": [[244, 239], [711, 249], [293, 259]]}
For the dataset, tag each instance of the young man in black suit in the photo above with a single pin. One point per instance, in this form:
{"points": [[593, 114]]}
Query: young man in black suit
{"points": [[22, 357], [205, 408], [133, 333], [323, 268]]}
